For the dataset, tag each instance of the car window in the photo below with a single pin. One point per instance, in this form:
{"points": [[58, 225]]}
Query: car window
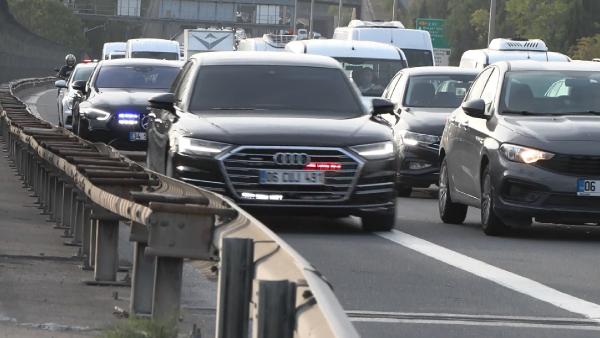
{"points": [[389, 90], [275, 90], [138, 77], [437, 91], [477, 87], [82, 74], [557, 89], [491, 88], [175, 88], [371, 76]]}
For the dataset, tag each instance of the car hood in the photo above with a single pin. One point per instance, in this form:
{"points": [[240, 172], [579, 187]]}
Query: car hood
{"points": [[429, 121], [290, 131], [122, 98]]}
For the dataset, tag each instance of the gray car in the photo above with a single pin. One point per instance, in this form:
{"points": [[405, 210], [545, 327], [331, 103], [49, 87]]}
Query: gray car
{"points": [[524, 145], [67, 94]]}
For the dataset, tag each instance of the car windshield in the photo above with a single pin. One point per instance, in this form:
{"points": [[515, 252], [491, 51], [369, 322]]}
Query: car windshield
{"points": [[138, 77], [82, 74], [371, 75], [437, 91], [418, 57], [155, 55], [551, 92], [275, 90]]}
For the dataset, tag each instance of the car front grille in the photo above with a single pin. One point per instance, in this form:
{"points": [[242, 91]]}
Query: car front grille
{"points": [[573, 165], [242, 168]]}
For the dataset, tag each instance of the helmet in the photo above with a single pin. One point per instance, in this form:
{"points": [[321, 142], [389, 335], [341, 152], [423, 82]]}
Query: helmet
{"points": [[70, 60]]}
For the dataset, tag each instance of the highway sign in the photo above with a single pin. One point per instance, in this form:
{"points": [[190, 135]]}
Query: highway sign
{"points": [[436, 28]]}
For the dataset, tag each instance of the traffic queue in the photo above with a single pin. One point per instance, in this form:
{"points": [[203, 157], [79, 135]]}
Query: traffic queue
{"points": [[343, 126]]}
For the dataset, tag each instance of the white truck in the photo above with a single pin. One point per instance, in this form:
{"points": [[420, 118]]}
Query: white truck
{"points": [[416, 44], [152, 49], [267, 43], [113, 47], [202, 40]]}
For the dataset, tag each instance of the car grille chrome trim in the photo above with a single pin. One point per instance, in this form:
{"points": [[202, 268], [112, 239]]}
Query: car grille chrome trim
{"points": [[241, 167]]}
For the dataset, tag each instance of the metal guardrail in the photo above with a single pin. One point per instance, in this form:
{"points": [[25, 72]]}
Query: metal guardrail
{"points": [[88, 188]]}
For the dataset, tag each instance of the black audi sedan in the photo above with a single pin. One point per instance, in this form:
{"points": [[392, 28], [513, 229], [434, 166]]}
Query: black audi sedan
{"points": [[277, 132], [423, 97], [525, 145], [114, 106]]}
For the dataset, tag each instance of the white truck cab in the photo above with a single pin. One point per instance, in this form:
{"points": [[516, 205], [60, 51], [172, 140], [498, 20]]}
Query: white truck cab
{"points": [[502, 49], [113, 47], [153, 49], [267, 43], [416, 44]]}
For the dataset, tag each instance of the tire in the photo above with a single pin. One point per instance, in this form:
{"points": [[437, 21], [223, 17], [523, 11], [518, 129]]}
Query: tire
{"points": [[491, 224], [450, 212], [375, 222], [403, 190]]}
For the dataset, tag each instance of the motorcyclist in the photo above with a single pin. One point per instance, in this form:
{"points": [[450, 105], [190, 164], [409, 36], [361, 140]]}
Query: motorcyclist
{"points": [[66, 70]]}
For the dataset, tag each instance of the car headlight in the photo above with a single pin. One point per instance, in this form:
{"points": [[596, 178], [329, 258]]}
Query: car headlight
{"points": [[375, 151], [521, 154], [95, 114], [197, 147], [410, 138]]}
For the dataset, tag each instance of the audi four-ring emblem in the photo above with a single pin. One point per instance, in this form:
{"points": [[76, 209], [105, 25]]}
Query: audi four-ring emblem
{"points": [[291, 158]]}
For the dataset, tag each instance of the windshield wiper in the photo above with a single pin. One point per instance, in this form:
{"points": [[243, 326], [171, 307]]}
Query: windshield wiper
{"points": [[519, 112], [589, 112], [234, 108]]}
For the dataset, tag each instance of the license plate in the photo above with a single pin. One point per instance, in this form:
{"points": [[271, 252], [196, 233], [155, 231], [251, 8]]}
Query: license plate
{"points": [[137, 136], [292, 177], [587, 187]]}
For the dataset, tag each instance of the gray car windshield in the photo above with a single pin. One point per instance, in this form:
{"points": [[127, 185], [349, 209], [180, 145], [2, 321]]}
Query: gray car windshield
{"points": [[137, 77], [275, 90], [437, 91], [551, 93]]}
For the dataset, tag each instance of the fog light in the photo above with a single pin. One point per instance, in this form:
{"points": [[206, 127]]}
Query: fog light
{"points": [[418, 165]]}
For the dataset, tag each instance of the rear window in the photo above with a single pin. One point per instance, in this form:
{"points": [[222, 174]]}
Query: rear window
{"points": [[82, 74], [418, 57], [137, 77], [437, 91], [275, 90], [155, 55]]}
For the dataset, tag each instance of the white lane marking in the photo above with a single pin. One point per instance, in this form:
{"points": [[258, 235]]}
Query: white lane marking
{"points": [[494, 274], [32, 101]]}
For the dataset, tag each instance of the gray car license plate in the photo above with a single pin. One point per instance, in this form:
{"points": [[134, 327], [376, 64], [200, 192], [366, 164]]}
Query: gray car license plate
{"points": [[137, 136], [291, 177], [587, 187]]}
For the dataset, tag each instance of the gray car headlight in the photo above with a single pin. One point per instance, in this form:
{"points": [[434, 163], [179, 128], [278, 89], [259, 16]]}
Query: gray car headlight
{"points": [[410, 138], [521, 154], [197, 147], [375, 151], [95, 114]]}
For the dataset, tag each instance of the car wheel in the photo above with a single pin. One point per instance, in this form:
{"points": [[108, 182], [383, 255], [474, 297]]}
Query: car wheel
{"points": [[450, 212], [403, 190], [378, 221], [491, 224]]}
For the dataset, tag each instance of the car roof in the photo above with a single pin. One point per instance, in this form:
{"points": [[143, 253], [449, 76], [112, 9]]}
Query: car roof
{"points": [[265, 58], [549, 66], [141, 62], [434, 70], [346, 48]]}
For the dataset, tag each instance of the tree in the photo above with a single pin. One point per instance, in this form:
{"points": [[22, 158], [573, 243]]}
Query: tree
{"points": [[51, 20], [586, 48]]}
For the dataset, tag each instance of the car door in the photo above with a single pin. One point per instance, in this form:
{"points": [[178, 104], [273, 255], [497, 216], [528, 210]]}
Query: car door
{"points": [[475, 133], [457, 148]]}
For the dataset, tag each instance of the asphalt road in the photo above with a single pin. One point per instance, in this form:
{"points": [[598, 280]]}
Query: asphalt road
{"points": [[427, 279]]}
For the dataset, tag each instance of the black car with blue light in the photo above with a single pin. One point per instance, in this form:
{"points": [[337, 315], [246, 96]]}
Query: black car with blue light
{"points": [[115, 100]]}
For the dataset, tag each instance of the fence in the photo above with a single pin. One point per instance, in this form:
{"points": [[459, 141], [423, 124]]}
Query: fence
{"points": [[87, 189]]}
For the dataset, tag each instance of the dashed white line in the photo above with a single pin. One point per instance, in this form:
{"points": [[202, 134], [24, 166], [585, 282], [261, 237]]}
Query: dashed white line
{"points": [[494, 274]]}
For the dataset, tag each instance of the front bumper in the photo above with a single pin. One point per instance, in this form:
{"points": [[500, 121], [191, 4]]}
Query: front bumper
{"points": [[524, 190], [426, 157], [112, 132], [374, 190]]}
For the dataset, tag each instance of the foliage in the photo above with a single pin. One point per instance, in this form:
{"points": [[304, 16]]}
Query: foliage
{"points": [[586, 48], [51, 20], [135, 327]]}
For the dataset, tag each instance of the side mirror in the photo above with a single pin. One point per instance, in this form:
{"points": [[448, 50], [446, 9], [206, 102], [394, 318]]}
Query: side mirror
{"points": [[475, 108], [382, 106], [79, 86], [164, 101], [60, 84]]}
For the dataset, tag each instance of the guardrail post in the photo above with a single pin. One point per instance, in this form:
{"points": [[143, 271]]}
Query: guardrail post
{"points": [[58, 201], [92, 252], [142, 282], [66, 208], [276, 309], [77, 218], [86, 240], [107, 250], [52, 186], [166, 297], [235, 287]]}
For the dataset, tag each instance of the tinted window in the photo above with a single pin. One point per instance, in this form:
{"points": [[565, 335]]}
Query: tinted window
{"points": [[275, 89], [491, 88], [82, 74], [437, 91], [418, 57], [477, 87], [139, 77], [371, 75], [155, 55], [551, 92]]}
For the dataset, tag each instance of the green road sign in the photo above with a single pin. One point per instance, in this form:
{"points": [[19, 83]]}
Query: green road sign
{"points": [[436, 28]]}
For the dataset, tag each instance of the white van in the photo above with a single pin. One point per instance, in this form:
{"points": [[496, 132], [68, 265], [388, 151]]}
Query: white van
{"points": [[153, 49], [358, 58], [510, 50], [116, 55], [112, 47], [416, 44], [268, 43]]}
